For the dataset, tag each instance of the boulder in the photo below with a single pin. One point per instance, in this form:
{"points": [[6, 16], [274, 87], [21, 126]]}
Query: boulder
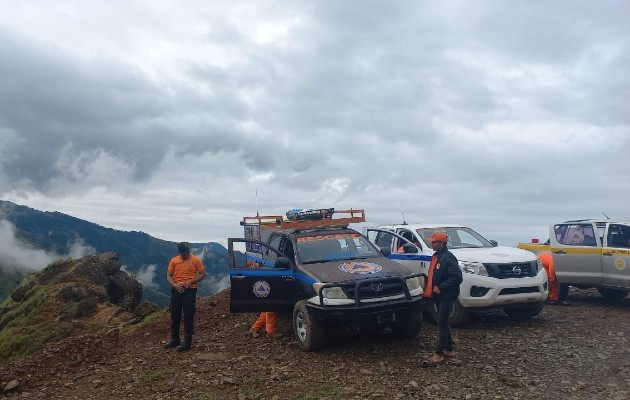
{"points": [[146, 308], [87, 281], [124, 291]]}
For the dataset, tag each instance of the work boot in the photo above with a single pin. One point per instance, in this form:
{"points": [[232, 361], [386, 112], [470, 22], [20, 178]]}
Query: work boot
{"points": [[173, 343], [275, 335], [186, 344], [255, 333]]}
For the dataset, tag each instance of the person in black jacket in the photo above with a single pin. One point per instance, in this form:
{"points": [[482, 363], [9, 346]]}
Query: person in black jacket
{"points": [[444, 278]]}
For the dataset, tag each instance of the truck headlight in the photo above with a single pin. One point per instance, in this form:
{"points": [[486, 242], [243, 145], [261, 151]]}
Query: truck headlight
{"points": [[413, 283], [472, 267], [539, 266], [334, 292]]}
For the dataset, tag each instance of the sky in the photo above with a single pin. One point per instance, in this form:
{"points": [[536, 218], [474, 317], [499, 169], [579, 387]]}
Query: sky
{"points": [[179, 118]]}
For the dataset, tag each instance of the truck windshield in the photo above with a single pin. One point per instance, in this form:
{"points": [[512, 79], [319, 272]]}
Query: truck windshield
{"points": [[338, 246], [458, 237]]}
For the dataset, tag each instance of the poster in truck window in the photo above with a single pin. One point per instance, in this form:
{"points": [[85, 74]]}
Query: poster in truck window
{"points": [[575, 235], [252, 232], [253, 251]]}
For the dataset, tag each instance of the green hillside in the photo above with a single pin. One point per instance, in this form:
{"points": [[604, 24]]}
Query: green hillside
{"points": [[55, 232], [9, 280]]}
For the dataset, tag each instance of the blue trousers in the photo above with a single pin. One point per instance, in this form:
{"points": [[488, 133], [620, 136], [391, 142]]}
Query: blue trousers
{"points": [[445, 340]]}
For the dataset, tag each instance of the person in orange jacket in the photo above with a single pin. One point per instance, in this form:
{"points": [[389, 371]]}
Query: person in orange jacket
{"points": [[554, 287], [266, 320], [401, 248], [442, 286]]}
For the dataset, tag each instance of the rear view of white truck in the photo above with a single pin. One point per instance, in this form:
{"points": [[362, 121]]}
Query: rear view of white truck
{"points": [[494, 276]]}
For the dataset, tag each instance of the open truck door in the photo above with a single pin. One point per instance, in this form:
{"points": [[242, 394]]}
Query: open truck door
{"points": [[261, 277], [411, 257]]}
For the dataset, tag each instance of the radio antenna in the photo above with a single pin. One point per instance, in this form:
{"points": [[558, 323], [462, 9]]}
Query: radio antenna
{"points": [[257, 214], [607, 217], [402, 201]]}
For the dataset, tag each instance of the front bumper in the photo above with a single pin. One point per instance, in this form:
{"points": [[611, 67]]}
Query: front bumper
{"points": [[395, 306], [503, 292], [371, 313]]}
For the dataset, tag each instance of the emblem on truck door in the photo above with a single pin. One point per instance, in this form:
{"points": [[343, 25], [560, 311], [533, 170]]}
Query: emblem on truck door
{"points": [[261, 289]]}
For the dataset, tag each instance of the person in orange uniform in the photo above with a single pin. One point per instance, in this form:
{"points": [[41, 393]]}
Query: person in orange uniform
{"points": [[266, 320], [401, 249], [554, 287], [183, 274]]}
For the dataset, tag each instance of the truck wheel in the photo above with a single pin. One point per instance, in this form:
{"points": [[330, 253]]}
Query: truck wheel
{"points": [[309, 331], [563, 291], [523, 313], [612, 294], [459, 315], [409, 328]]}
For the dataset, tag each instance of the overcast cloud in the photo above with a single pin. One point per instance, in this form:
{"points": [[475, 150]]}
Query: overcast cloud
{"points": [[16, 254], [166, 116]]}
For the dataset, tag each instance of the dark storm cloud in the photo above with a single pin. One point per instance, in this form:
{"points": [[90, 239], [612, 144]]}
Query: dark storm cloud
{"points": [[54, 102], [474, 112]]}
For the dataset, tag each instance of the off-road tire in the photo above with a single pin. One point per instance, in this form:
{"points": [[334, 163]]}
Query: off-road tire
{"points": [[612, 294], [309, 331], [525, 312], [459, 315], [409, 328]]}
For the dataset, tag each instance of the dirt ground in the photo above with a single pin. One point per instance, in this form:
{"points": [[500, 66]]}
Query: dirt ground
{"points": [[581, 351]]}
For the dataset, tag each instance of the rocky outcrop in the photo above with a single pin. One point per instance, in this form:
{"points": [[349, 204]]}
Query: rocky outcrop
{"points": [[87, 282], [88, 296]]}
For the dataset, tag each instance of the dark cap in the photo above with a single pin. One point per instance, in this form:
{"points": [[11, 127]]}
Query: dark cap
{"points": [[183, 248]]}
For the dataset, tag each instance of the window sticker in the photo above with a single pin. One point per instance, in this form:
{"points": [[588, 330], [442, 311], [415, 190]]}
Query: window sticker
{"points": [[328, 237]]}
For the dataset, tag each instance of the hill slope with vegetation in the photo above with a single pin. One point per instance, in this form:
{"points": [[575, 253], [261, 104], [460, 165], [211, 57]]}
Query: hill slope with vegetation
{"points": [[554, 355]]}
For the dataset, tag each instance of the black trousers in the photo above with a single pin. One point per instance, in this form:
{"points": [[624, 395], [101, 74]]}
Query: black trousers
{"points": [[445, 340], [183, 303]]}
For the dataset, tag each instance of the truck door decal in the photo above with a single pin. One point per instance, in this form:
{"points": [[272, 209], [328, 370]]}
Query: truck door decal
{"points": [[261, 289]]}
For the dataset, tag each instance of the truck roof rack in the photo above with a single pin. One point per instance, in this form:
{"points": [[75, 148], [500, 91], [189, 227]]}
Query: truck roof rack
{"points": [[328, 219]]}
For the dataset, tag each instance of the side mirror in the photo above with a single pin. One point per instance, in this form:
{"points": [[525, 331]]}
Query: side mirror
{"points": [[282, 262], [386, 251], [494, 243], [410, 248]]}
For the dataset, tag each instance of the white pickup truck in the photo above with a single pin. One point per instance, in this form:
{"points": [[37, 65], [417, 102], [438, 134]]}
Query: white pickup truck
{"points": [[590, 253], [494, 276]]}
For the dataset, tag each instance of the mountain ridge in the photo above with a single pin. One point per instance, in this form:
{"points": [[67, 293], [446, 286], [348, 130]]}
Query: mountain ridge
{"points": [[59, 235]]}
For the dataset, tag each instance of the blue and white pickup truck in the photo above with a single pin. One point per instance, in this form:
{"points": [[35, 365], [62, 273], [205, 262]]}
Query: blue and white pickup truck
{"points": [[494, 276], [326, 274]]}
